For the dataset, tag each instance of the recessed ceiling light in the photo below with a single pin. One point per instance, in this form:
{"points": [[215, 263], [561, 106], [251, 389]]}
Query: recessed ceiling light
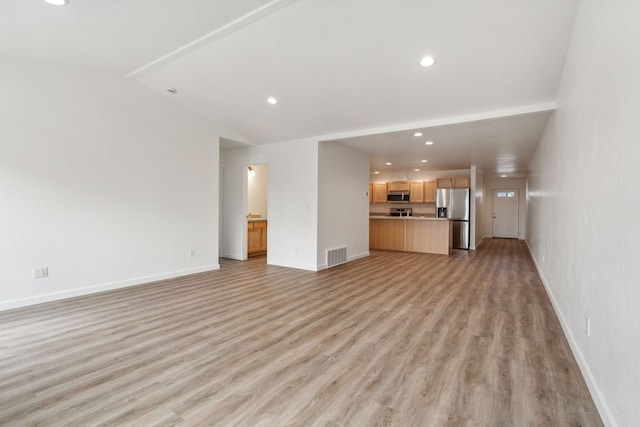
{"points": [[376, 173], [428, 143], [417, 134], [424, 160], [416, 170], [271, 100], [427, 61], [503, 176], [388, 163], [57, 2]]}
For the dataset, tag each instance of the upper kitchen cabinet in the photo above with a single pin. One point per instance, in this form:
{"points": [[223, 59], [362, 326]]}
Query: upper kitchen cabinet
{"points": [[445, 183], [416, 192], [370, 192], [398, 186], [462, 182], [379, 192], [429, 192], [458, 182]]}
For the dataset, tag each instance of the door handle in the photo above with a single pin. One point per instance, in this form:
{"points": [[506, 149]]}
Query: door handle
{"points": [[494, 216]]}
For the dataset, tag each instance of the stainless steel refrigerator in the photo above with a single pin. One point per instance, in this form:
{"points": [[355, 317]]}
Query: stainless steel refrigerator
{"points": [[453, 203]]}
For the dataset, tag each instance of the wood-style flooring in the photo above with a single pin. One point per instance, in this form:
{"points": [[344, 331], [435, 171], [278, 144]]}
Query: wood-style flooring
{"points": [[395, 339]]}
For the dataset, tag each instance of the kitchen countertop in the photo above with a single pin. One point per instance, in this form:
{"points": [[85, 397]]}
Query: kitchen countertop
{"points": [[256, 219], [411, 218]]}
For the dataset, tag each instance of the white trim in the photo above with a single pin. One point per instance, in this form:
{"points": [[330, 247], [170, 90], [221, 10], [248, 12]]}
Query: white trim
{"points": [[218, 33], [237, 257], [596, 394], [55, 296], [289, 264], [451, 120]]}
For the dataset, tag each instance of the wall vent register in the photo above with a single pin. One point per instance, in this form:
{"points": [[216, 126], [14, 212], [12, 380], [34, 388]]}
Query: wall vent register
{"points": [[336, 256]]}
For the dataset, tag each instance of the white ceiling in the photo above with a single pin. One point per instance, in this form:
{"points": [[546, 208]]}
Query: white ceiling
{"points": [[339, 68], [500, 146]]}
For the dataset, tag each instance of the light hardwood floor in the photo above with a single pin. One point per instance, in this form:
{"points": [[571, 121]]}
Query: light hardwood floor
{"points": [[395, 339]]}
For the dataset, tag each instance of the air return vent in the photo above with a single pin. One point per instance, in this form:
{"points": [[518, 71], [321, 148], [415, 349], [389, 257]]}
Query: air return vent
{"points": [[336, 256]]}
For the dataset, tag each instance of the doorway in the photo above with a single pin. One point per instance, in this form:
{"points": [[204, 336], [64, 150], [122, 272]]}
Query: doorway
{"points": [[257, 209], [506, 213]]}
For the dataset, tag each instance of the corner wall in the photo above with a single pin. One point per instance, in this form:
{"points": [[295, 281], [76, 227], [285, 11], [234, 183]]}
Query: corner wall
{"points": [[343, 201], [103, 181], [292, 202], [584, 231]]}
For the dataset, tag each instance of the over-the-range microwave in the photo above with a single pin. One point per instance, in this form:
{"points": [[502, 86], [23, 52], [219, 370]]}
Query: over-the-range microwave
{"points": [[398, 197]]}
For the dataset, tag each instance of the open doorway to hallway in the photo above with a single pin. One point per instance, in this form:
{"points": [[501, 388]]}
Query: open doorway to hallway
{"points": [[257, 209]]}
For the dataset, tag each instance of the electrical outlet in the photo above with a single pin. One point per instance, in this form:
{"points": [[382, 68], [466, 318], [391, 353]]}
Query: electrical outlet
{"points": [[192, 253], [40, 272]]}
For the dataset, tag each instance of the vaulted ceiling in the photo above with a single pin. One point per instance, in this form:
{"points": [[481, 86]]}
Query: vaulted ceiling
{"points": [[341, 70]]}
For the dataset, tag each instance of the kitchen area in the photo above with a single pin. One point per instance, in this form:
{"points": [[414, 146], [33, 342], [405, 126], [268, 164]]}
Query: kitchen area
{"points": [[428, 216]]}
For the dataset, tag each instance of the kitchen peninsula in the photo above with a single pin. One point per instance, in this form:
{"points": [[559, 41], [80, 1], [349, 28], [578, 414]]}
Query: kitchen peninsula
{"points": [[411, 234]]}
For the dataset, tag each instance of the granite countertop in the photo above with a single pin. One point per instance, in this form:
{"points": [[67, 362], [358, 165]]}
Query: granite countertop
{"points": [[256, 219]]}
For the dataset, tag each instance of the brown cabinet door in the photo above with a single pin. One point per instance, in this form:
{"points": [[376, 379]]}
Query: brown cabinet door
{"points": [[370, 192], [257, 237], [253, 239], [462, 182], [416, 192], [445, 183], [403, 185], [429, 192], [263, 238], [386, 234], [379, 192]]}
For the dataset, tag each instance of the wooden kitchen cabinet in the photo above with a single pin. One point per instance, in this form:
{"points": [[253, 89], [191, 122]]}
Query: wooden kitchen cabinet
{"points": [[411, 235], [398, 186], [462, 182], [458, 182], [429, 192], [432, 237], [379, 192], [445, 183], [370, 192], [256, 237], [386, 234], [416, 192]]}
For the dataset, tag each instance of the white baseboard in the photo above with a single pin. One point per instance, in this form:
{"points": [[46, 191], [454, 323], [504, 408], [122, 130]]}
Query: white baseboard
{"points": [[55, 296], [232, 256], [596, 395]]}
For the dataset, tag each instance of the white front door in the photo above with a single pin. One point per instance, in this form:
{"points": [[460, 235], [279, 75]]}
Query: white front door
{"points": [[505, 213]]}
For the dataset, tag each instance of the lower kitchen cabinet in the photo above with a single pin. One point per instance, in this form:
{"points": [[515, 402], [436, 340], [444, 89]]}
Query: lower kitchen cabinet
{"points": [[256, 237], [386, 234], [432, 236], [428, 236]]}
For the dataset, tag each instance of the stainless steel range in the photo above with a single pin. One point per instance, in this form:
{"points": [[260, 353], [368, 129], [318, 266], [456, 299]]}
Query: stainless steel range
{"points": [[400, 212]]}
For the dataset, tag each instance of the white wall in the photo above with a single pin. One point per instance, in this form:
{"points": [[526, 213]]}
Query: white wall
{"points": [[519, 184], [292, 202], [103, 181], [477, 207], [257, 192], [343, 201], [583, 230]]}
